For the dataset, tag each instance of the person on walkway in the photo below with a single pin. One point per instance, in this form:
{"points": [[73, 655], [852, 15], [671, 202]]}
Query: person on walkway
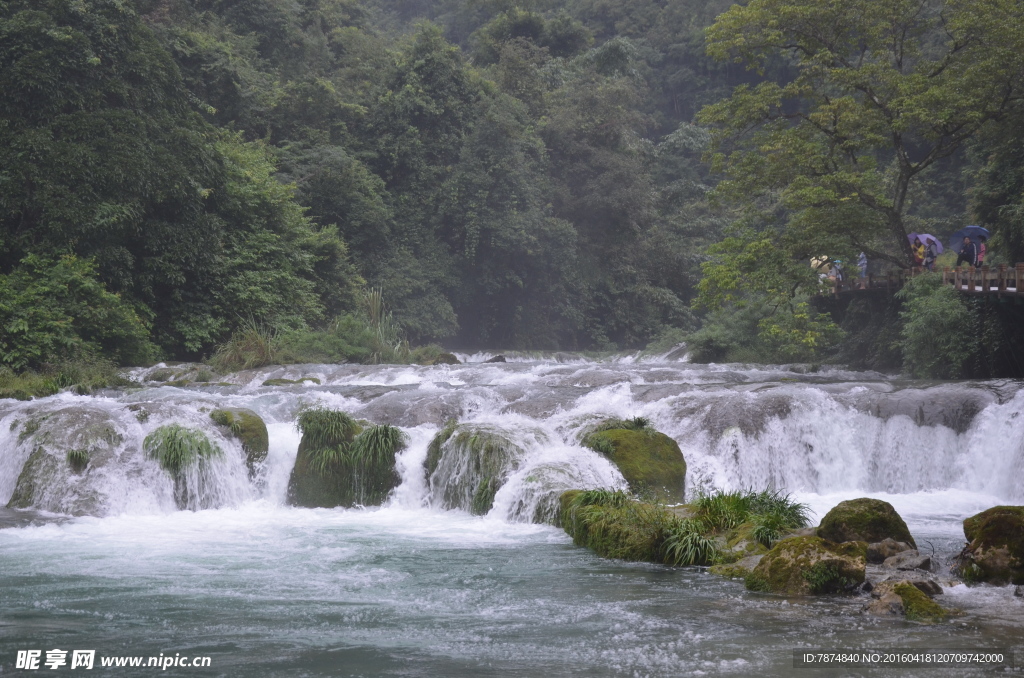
{"points": [[862, 264], [931, 253], [968, 253], [982, 250], [918, 249]]}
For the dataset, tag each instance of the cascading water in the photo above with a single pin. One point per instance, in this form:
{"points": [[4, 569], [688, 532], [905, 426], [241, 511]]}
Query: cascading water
{"points": [[422, 586]]}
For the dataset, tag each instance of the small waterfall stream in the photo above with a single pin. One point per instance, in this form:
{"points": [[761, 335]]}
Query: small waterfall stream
{"points": [[808, 433]]}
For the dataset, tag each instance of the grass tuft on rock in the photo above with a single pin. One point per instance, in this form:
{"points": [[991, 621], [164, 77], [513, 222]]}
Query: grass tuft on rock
{"points": [[687, 543], [176, 447], [772, 513], [78, 460], [326, 436]]}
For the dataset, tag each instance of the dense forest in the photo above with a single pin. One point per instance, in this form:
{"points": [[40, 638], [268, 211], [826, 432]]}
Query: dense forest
{"points": [[341, 177]]}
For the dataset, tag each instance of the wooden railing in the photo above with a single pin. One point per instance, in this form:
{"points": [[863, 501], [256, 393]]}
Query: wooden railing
{"points": [[1001, 280]]}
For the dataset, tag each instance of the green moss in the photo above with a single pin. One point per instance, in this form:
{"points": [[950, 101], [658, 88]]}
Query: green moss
{"points": [[179, 383], [730, 570], [163, 375], [651, 462], [434, 449], [483, 498], [291, 382], [825, 577], [998, 526], [918, 606], [78, 460], [24, 495], [869, 520], [467, 455], [755, 582], [811, 565], [615, 526], [249, 429]]}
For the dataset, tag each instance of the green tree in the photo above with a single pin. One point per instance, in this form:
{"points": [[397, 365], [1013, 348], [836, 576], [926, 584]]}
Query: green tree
{"points": [[57, 310], [823, 160]]}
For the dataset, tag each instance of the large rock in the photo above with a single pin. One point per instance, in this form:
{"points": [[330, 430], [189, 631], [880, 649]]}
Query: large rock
{"points": [[71, 452], [995, 553], [809, 566], [329, 471], [868, 520], [249, 429], [467, 464], [651, 462], [908, 560]]}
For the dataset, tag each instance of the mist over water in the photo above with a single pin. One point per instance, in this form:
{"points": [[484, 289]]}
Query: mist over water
{"points": [[414, 589]]}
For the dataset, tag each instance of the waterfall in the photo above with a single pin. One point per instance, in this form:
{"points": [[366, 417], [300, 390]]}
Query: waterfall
{"points": [[738, 426]]}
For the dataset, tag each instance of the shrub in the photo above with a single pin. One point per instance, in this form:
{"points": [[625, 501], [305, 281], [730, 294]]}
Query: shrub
{"points": [[252, 345], [56, 310], [939, 329]]}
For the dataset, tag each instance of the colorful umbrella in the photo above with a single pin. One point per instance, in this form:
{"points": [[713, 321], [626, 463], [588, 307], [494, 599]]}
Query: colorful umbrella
{"points": [[925, 237]]}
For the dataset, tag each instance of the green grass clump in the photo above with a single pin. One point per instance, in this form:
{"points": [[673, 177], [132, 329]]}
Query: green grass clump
{"points": [[330, 439], [377, 445], [483, 498], [326, 432], [176, 447], [78, 460], [252, 345], [772, 513], [687, 543]]}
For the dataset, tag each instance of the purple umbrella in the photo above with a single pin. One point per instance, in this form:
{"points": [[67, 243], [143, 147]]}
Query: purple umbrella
{"points": [[925, 237]]}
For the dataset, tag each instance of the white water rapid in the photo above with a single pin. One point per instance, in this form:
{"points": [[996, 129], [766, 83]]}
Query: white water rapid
{"points": [[826, 433], [106, 559]]}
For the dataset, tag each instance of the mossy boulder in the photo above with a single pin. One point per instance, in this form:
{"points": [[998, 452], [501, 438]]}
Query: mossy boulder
{"points": [[341, 463], [615, 526], [445, 359], [868, 520], [249, 429], [651, 462], [467, 464], [71, 451], [904, 599], [995, 553], [809, 566]]}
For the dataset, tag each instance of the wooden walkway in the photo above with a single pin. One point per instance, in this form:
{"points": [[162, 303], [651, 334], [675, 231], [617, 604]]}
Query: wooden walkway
{"points": [[1001, 280]]}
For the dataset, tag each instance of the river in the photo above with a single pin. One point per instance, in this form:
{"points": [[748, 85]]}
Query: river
{"points": [[411, 589]]}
